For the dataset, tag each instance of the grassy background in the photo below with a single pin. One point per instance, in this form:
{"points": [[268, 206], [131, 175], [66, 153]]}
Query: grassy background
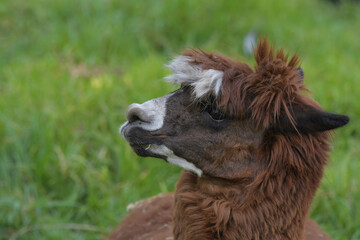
{"points": [[69, 69]]}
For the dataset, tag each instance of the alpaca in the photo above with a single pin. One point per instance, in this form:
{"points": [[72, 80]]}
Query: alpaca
{"points": [[253, 147]]}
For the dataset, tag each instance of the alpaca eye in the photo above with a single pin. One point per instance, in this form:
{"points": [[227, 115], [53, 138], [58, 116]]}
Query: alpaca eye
{"points": [[210, 108], [216, 114]]}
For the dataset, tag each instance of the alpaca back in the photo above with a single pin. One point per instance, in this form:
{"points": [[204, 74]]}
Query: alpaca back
{"points": [[149, 219], [152, 219]]}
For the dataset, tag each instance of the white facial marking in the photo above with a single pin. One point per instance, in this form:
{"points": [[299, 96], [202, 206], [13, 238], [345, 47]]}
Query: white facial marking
{"points": [[173, 159], [150, 113], [203, 81]]}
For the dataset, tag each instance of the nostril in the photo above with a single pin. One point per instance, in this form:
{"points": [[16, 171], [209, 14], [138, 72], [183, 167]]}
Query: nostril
{"points": [[136, 113], [133, 118]]}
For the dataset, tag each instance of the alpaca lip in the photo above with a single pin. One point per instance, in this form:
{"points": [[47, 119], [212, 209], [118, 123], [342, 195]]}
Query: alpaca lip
{"points": [[138, 136], [139, 149], [122, 129], [140, 146], [144, 150]]}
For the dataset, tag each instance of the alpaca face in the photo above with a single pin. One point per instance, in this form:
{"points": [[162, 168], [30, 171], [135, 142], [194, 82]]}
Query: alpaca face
{"points": [[195, 136], [225, 115]]}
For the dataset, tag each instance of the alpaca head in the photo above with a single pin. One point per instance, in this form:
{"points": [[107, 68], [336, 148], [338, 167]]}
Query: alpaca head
{"points": [[225, 114]]}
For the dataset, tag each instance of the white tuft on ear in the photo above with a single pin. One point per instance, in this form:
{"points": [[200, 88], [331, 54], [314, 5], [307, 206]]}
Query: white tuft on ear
{"points": [[203, 81]]}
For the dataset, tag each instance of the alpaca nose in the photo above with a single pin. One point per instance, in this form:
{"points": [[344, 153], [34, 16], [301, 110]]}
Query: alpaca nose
{"points": [[149, 115], [136, 112]]}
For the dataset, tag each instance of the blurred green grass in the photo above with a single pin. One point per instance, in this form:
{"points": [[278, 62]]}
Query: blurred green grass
{"points": [[69, 69]]}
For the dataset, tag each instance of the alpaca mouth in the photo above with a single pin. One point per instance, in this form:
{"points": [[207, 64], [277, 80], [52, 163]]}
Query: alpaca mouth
{"points": [[127, 132], [141, 141], [144, 150], [122, 129], [141, 149]]}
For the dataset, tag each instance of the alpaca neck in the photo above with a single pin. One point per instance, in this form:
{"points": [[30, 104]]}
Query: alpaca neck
{"points": [[217, 209]]}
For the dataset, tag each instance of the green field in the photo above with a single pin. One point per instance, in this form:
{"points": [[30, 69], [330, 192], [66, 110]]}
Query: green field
{"points": [[69, 69]]}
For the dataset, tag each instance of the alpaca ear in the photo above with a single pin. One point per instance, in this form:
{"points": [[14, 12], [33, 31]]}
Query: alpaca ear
{"points": [[310, 120]]}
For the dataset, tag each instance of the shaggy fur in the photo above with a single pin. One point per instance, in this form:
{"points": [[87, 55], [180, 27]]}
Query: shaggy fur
{"points": [[151, 219], [290, 165], [274, 86], [259, 179]]}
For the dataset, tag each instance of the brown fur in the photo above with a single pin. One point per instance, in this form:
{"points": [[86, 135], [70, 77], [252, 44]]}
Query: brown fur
{"points": [[150, 219], [137, 226], [291, 165], [273, 87], [268, 201]]}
